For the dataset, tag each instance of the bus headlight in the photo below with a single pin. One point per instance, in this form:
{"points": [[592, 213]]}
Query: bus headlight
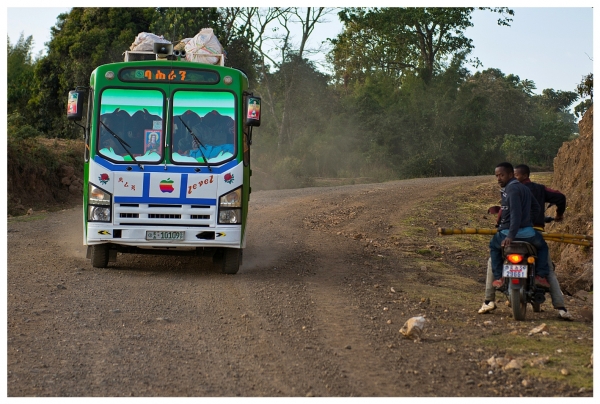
{"points": [[230, 207], [98, 213], [230, 216], [97, 196], [99, 204]]}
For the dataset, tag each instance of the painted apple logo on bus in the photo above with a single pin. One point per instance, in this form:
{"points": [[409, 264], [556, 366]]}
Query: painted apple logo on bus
{"points": [[167, 185]]}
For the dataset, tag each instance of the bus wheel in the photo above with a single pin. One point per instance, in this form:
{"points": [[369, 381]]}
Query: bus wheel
{"points": [[229, 259], [100, 255]]}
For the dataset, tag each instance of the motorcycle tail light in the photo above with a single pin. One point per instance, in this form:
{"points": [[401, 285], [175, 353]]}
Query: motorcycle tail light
{"points": [[515, 281], [514, 258]]}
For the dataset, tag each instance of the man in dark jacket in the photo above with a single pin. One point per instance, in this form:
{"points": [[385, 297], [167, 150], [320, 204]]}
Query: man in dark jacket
{"points": [[542, 195], [518, 207]]}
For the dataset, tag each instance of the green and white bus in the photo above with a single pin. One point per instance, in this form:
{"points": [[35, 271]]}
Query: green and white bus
{"points": [[167, 158]]}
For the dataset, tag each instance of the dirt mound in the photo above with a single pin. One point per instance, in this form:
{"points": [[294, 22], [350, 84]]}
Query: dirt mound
{"points": [[573, 176], [43, 174]]}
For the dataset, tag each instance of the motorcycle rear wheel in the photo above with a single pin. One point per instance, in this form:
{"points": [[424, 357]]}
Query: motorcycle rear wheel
{"points": [[518, 303]]}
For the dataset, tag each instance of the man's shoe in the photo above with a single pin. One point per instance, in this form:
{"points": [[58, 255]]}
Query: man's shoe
{"points": [[543, 282], [486, 308], [565, 315], [498, 283]]}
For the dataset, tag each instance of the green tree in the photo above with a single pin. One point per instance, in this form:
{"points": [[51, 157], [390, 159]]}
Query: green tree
{"points": [[20, 74], [177, 23], [585, 89], [81, 40], [397, 40]]}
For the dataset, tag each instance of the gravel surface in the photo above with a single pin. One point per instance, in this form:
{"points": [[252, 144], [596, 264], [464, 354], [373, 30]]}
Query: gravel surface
{"points": [[310, 313]]}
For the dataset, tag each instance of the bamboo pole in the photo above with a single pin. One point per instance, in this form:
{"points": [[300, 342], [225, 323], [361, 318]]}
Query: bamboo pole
{"points": [[577, 239]]}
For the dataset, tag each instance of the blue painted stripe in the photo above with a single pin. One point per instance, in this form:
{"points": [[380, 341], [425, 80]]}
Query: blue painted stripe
{"points": [[168, 201], [156, 168], [184, 181], [146, 185]]}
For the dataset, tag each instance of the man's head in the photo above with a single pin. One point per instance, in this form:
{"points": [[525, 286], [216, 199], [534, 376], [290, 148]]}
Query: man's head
{"points": [[504, 173], [522, 172]]}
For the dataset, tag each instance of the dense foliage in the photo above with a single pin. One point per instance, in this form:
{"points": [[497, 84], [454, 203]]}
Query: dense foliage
{"points": [[399, 102]]}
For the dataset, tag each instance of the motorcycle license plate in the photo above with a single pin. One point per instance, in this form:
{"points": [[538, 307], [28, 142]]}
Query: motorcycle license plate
{"points": [[165, 235], [514, 271]]}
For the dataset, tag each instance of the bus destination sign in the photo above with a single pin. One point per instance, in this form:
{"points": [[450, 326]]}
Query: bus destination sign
{"points": [[161, 75]]}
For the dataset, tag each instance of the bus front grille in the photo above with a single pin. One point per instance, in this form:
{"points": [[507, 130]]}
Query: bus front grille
{"points": [[164, 215]]}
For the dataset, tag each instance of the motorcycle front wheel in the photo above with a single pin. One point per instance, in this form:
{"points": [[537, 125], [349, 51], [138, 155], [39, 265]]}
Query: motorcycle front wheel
{"points": [[518, 303]]}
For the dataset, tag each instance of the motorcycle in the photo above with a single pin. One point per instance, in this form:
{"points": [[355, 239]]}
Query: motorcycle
{"points": [[518, 271], [519, 285]]}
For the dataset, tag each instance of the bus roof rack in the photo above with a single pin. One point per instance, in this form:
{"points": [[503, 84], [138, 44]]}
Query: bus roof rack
{"points": [[136, 56]]}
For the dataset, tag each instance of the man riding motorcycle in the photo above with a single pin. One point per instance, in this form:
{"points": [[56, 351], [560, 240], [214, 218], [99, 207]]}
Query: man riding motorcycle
{"points": [[541, 195]]}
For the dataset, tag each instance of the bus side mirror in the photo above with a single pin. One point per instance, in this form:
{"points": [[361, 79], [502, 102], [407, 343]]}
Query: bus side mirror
{"points": [[253, 111], [75, 105]]}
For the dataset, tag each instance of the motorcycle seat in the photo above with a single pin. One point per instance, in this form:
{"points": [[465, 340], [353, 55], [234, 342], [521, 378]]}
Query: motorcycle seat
{"points": [[520, 247]]}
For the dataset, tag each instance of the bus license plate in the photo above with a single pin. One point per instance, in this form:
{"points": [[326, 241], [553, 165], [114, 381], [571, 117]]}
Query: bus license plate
{"points": [[164, 235], [515, 271]]}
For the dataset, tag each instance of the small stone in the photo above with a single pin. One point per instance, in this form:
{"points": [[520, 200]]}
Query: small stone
{"points": [[514, 332], [413, 327], [470, 381], [385, 309], [526, 383], [564, 372], [502, 361], [347, 347], [539, 362], [539, 329], [513, 365], [389, 321], [582, 295], [392, 290], [116, 311], [487, 323], [59, 286], [450, 351]]}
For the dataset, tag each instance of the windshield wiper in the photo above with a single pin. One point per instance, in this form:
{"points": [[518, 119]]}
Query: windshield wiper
{"points": [[123, 143], [199, 143]]}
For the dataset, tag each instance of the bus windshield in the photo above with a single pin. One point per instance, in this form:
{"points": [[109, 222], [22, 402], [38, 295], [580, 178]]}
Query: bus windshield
{"points": [[203, 127], [132, 124]]}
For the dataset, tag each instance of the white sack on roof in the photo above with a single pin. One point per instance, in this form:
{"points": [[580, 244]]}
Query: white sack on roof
{"points": [[204, 44], [145, 41]]}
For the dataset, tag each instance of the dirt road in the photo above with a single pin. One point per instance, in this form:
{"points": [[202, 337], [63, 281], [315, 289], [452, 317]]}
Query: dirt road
{"points": [[329, 277]]}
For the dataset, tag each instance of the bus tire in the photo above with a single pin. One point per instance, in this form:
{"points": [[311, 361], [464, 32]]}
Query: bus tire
{"points": [[229, 260], [100, 255]]}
